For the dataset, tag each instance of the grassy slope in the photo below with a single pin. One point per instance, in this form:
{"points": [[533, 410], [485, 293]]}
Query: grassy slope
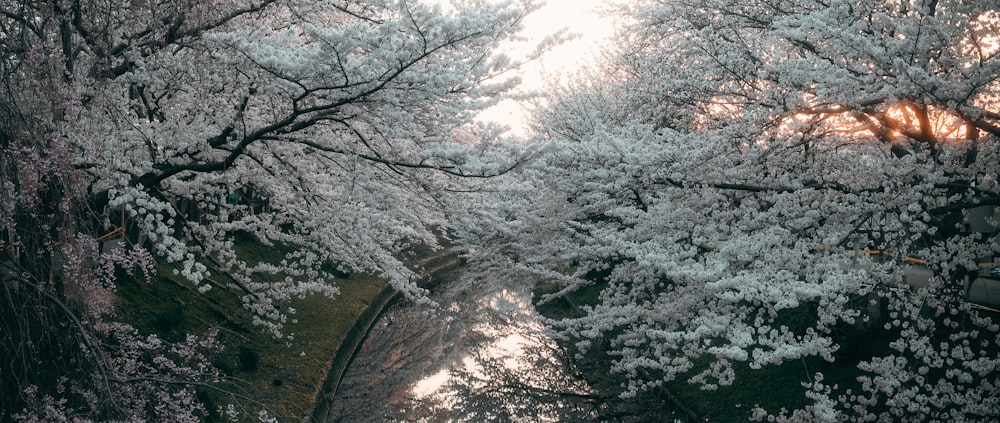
{"points": [[281, 374]]}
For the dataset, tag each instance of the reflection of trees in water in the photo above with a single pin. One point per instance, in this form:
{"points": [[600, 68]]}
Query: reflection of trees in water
{"points": [[403, 347], [499, 365], [535, 384]]}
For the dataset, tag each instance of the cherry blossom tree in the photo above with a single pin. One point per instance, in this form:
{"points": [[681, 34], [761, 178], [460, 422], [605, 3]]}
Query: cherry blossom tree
{"points": [[65, 356], [719, 172], [336, 129], [306, 125]]}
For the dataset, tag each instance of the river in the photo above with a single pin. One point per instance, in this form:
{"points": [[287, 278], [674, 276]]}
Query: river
{"points": [[481, 355]]}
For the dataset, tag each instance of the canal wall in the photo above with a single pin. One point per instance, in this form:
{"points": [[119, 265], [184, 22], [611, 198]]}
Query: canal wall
{"points": [[436, 268]]}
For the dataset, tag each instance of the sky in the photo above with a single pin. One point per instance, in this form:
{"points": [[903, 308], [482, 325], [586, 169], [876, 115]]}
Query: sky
{"points": [[579, 17]]}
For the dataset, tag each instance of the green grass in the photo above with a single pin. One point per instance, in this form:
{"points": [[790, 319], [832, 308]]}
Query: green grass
{"points": [[281, 374]]}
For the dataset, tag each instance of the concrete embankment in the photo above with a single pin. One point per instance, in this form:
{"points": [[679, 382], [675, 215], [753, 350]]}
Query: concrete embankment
{"points": [[436, 268]]}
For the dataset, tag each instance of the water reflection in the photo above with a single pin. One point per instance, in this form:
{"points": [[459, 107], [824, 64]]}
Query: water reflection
{"points": [[484, 357]]}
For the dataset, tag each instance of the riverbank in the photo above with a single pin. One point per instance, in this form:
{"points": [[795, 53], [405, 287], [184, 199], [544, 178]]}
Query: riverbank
{"points": [[284, 376]]}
